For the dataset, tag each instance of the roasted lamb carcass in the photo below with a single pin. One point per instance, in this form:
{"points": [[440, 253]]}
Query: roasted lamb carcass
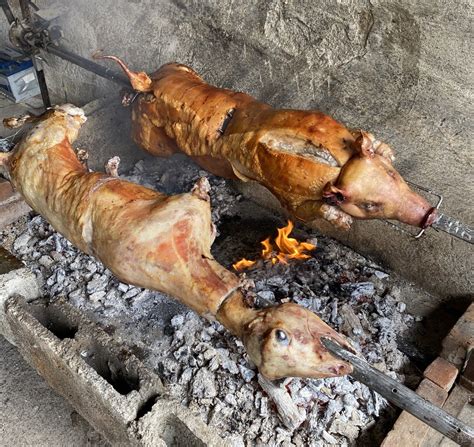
{"points": [[159, 242]]}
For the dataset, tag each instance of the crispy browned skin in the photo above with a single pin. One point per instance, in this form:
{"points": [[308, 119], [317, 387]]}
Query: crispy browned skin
{"points": [[313, 164], [159, 242]]}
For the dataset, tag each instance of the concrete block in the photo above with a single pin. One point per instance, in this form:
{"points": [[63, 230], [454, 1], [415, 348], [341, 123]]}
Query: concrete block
{"points": [[15, 280], [101, 378], [441, 372], [170, 422], [460, 339], [11, 209]]}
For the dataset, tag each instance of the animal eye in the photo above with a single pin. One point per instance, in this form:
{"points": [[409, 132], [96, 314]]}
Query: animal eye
{"points": [[281, 337], [340, 197], [370, 206]]}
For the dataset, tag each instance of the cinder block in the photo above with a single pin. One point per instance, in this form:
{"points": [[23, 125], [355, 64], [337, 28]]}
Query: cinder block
{"points": [[6, 190], [170, 422], [102, 379], [12, 206], [15, 279], [460, 339], [441, 372], [408, 430]]}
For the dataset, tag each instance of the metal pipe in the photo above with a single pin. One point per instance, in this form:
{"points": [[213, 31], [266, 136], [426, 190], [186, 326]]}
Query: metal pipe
{"points": [[404, 398], [42, 82], [7, 11], [25, 10], [86, 64]]}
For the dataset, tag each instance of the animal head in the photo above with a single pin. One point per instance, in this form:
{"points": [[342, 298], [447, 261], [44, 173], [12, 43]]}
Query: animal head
{"points": [[369, 187], [285, 341]]}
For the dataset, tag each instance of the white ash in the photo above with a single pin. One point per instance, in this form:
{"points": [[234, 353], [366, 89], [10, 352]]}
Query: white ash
{"points": [[205, 367]]}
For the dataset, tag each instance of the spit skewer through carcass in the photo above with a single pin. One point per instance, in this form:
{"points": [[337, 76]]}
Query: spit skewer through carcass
{"points": [[159, 242], [315, 166]]}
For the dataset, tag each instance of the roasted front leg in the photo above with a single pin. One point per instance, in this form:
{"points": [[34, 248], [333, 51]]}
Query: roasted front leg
{"points": [[309, 210]]}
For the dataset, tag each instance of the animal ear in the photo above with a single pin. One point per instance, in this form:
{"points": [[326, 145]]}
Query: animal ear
{"points": [[364, 145], [333, 195], [384, 150]]}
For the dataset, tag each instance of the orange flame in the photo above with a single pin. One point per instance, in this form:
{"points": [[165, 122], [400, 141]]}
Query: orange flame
{"points": [[243, 264], [285, 248], [267, 248]]}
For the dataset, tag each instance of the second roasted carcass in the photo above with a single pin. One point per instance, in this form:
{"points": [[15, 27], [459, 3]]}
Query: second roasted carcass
{"points": [[314, 165], [159, 242]]}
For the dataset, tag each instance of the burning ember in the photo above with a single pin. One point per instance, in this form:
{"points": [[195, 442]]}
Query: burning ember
{"points": [[284, 248]]}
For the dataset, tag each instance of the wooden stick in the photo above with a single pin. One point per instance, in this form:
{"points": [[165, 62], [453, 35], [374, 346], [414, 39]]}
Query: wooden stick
{"points": [[291, 416]]}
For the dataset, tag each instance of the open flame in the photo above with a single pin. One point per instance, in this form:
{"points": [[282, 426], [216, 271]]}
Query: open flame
{"points": [[283, 249], [243, 264]]}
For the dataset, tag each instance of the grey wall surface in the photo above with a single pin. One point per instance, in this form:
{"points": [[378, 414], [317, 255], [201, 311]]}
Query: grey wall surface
{"points": [[401, 69]]}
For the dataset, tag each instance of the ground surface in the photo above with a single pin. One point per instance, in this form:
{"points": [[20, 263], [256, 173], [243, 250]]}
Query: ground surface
{"points": [[31, 414]]}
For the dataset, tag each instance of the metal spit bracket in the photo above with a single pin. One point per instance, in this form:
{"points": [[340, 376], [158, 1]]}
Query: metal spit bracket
{"points": [[31, 32]]}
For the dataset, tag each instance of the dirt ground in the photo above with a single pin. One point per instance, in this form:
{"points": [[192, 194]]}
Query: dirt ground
{"points": [[31, 414]]}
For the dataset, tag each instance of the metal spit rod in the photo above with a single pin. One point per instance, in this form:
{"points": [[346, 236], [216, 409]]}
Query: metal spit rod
{"points": [[86, 64], [403, 397], [7, 11]]}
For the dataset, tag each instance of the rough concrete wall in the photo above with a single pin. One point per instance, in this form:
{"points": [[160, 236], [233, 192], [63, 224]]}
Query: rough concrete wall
{"points": [[401, 69]]}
